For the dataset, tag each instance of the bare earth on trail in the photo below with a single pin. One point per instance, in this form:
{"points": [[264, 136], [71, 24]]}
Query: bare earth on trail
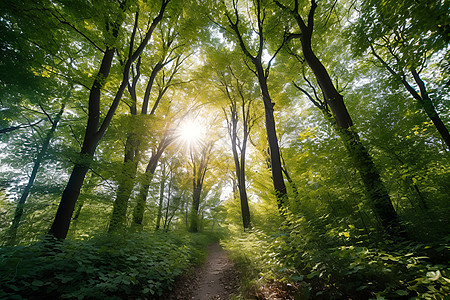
{"points": [[216, 279]]}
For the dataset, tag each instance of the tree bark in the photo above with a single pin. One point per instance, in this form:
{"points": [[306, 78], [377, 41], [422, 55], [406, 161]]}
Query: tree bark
{"points": [[240, 175], [126, 184], [93, 133], [375, 190], [166, 215], [61, 223], [274, 150], [238, 156]]}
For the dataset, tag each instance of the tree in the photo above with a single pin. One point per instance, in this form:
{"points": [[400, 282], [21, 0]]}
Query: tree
{"points": [[404, 40], [168, 55], [262, 74], [375, 189], [12, 231], [94, 129], [199, 164], [146, 178], [240, 119]]}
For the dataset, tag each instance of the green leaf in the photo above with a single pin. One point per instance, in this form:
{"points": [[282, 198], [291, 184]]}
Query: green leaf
{"points": [[37, 283], [401, 292], [297, 277]]}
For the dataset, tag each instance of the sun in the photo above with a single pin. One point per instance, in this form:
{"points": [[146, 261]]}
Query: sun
{"points": [[190, 134]]}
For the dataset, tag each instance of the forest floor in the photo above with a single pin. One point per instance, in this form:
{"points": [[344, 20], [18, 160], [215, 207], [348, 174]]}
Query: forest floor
{"points": [[216, 279]]}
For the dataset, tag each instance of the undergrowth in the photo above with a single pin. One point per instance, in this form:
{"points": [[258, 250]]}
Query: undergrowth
{"points": [[342, 264], [133, 266]]}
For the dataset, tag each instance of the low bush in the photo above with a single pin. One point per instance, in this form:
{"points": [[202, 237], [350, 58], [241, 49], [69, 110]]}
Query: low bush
{"points": [[325, 264], [134, 266]]}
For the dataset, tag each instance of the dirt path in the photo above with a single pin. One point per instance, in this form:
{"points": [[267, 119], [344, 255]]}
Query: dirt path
{"points": [[216, 279]]}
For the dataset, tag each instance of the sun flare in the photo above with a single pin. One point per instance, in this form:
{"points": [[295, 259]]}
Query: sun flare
{"points": [[190, 133]]}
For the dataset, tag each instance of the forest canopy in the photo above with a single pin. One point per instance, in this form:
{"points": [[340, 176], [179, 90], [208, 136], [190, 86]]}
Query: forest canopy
{"points": [[311, 135]]}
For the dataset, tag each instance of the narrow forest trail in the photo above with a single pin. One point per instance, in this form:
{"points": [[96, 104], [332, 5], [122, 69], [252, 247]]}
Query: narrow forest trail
{"points": [[216, 279]]}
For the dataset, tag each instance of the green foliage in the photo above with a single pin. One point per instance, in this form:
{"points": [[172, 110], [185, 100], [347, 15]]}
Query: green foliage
{"points": [[336, 263], [115, 267]]}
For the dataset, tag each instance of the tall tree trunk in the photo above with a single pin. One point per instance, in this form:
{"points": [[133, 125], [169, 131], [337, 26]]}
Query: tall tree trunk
{"points": [[195, 206], [239, 158], [166, 215], [126, 183], [240, 175], [375, 190], [12, 231], [199, 168], [138, 212], [161, 198], [262, 74], [274, 150], [60, 225], [130, 162], [131, 158]]}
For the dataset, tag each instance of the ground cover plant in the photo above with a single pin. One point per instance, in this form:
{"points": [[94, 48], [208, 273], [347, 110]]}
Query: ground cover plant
{"points": [[132, 266], [329, 266]]}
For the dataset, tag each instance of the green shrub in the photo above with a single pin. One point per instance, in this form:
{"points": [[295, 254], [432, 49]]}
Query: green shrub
{"points": [[134, 266], [336, 264]]}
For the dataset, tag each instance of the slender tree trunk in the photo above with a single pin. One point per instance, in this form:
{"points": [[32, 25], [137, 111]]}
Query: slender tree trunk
{"points": [[239, 165], [166, 215], [70, 195], [138, 213], [12, 231], [240, 175], [199, 168], [262, 74], [131, 160], [126, 184], [92, 137], [161, 198], [186, 215], [423, 98], [429, 109], [61, 223], [245, 210], [195, 206]]}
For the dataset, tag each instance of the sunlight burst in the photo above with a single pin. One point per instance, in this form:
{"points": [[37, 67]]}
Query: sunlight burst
{"points": [[190, 134]]}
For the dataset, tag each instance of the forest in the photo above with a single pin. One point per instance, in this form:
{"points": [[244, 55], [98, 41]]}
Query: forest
{"points": [[308, 138]]}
